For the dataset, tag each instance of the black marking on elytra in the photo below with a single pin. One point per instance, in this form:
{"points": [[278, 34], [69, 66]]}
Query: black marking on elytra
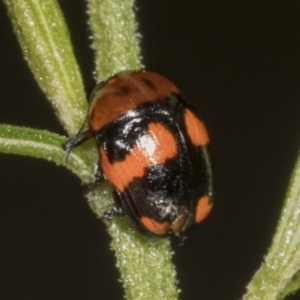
{"points": [[120, 136], [148, 83], [123, 91]]}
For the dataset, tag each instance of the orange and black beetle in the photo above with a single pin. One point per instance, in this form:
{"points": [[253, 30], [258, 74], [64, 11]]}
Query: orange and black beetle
{"points": [[153, 150]]}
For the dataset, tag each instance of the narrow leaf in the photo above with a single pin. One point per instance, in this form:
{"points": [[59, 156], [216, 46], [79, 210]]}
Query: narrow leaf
{"points": [[279, 274], [115, 37], [46, 145], [45, 41]]}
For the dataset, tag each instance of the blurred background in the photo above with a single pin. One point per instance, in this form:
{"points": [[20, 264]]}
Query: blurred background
{"points": [[238, 63]]}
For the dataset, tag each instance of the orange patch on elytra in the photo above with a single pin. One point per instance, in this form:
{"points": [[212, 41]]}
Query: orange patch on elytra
{"points": [[124, 92], [202, 209], [157, 145], [154, 226], [195, 129]]}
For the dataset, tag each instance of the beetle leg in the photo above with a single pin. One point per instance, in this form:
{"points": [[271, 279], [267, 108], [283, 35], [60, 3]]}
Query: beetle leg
{"points": [[76, 140], [181, 238], [116, 210], [99, 174], [87, 188], [111, 213]]}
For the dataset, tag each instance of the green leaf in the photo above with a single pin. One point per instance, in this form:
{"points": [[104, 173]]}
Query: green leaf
{"points": [[145, 263], [45, 145], [279, 274], [115, 37], [45, 41]]}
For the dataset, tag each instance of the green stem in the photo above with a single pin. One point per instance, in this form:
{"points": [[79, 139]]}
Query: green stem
{"points": [[43, 144], [279, 274], [45, 41], [115, 39]]}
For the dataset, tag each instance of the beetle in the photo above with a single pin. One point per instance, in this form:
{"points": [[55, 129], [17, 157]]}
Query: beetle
{"points": [[154, 151]]}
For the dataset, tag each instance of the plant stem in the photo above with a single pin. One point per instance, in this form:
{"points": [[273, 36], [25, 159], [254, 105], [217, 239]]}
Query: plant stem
{"points": [[46, 145], [115, 39], [45, 41], [279, 274]]}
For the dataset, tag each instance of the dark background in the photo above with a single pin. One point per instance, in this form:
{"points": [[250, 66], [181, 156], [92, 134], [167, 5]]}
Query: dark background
{"points": [[238, 62]]}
